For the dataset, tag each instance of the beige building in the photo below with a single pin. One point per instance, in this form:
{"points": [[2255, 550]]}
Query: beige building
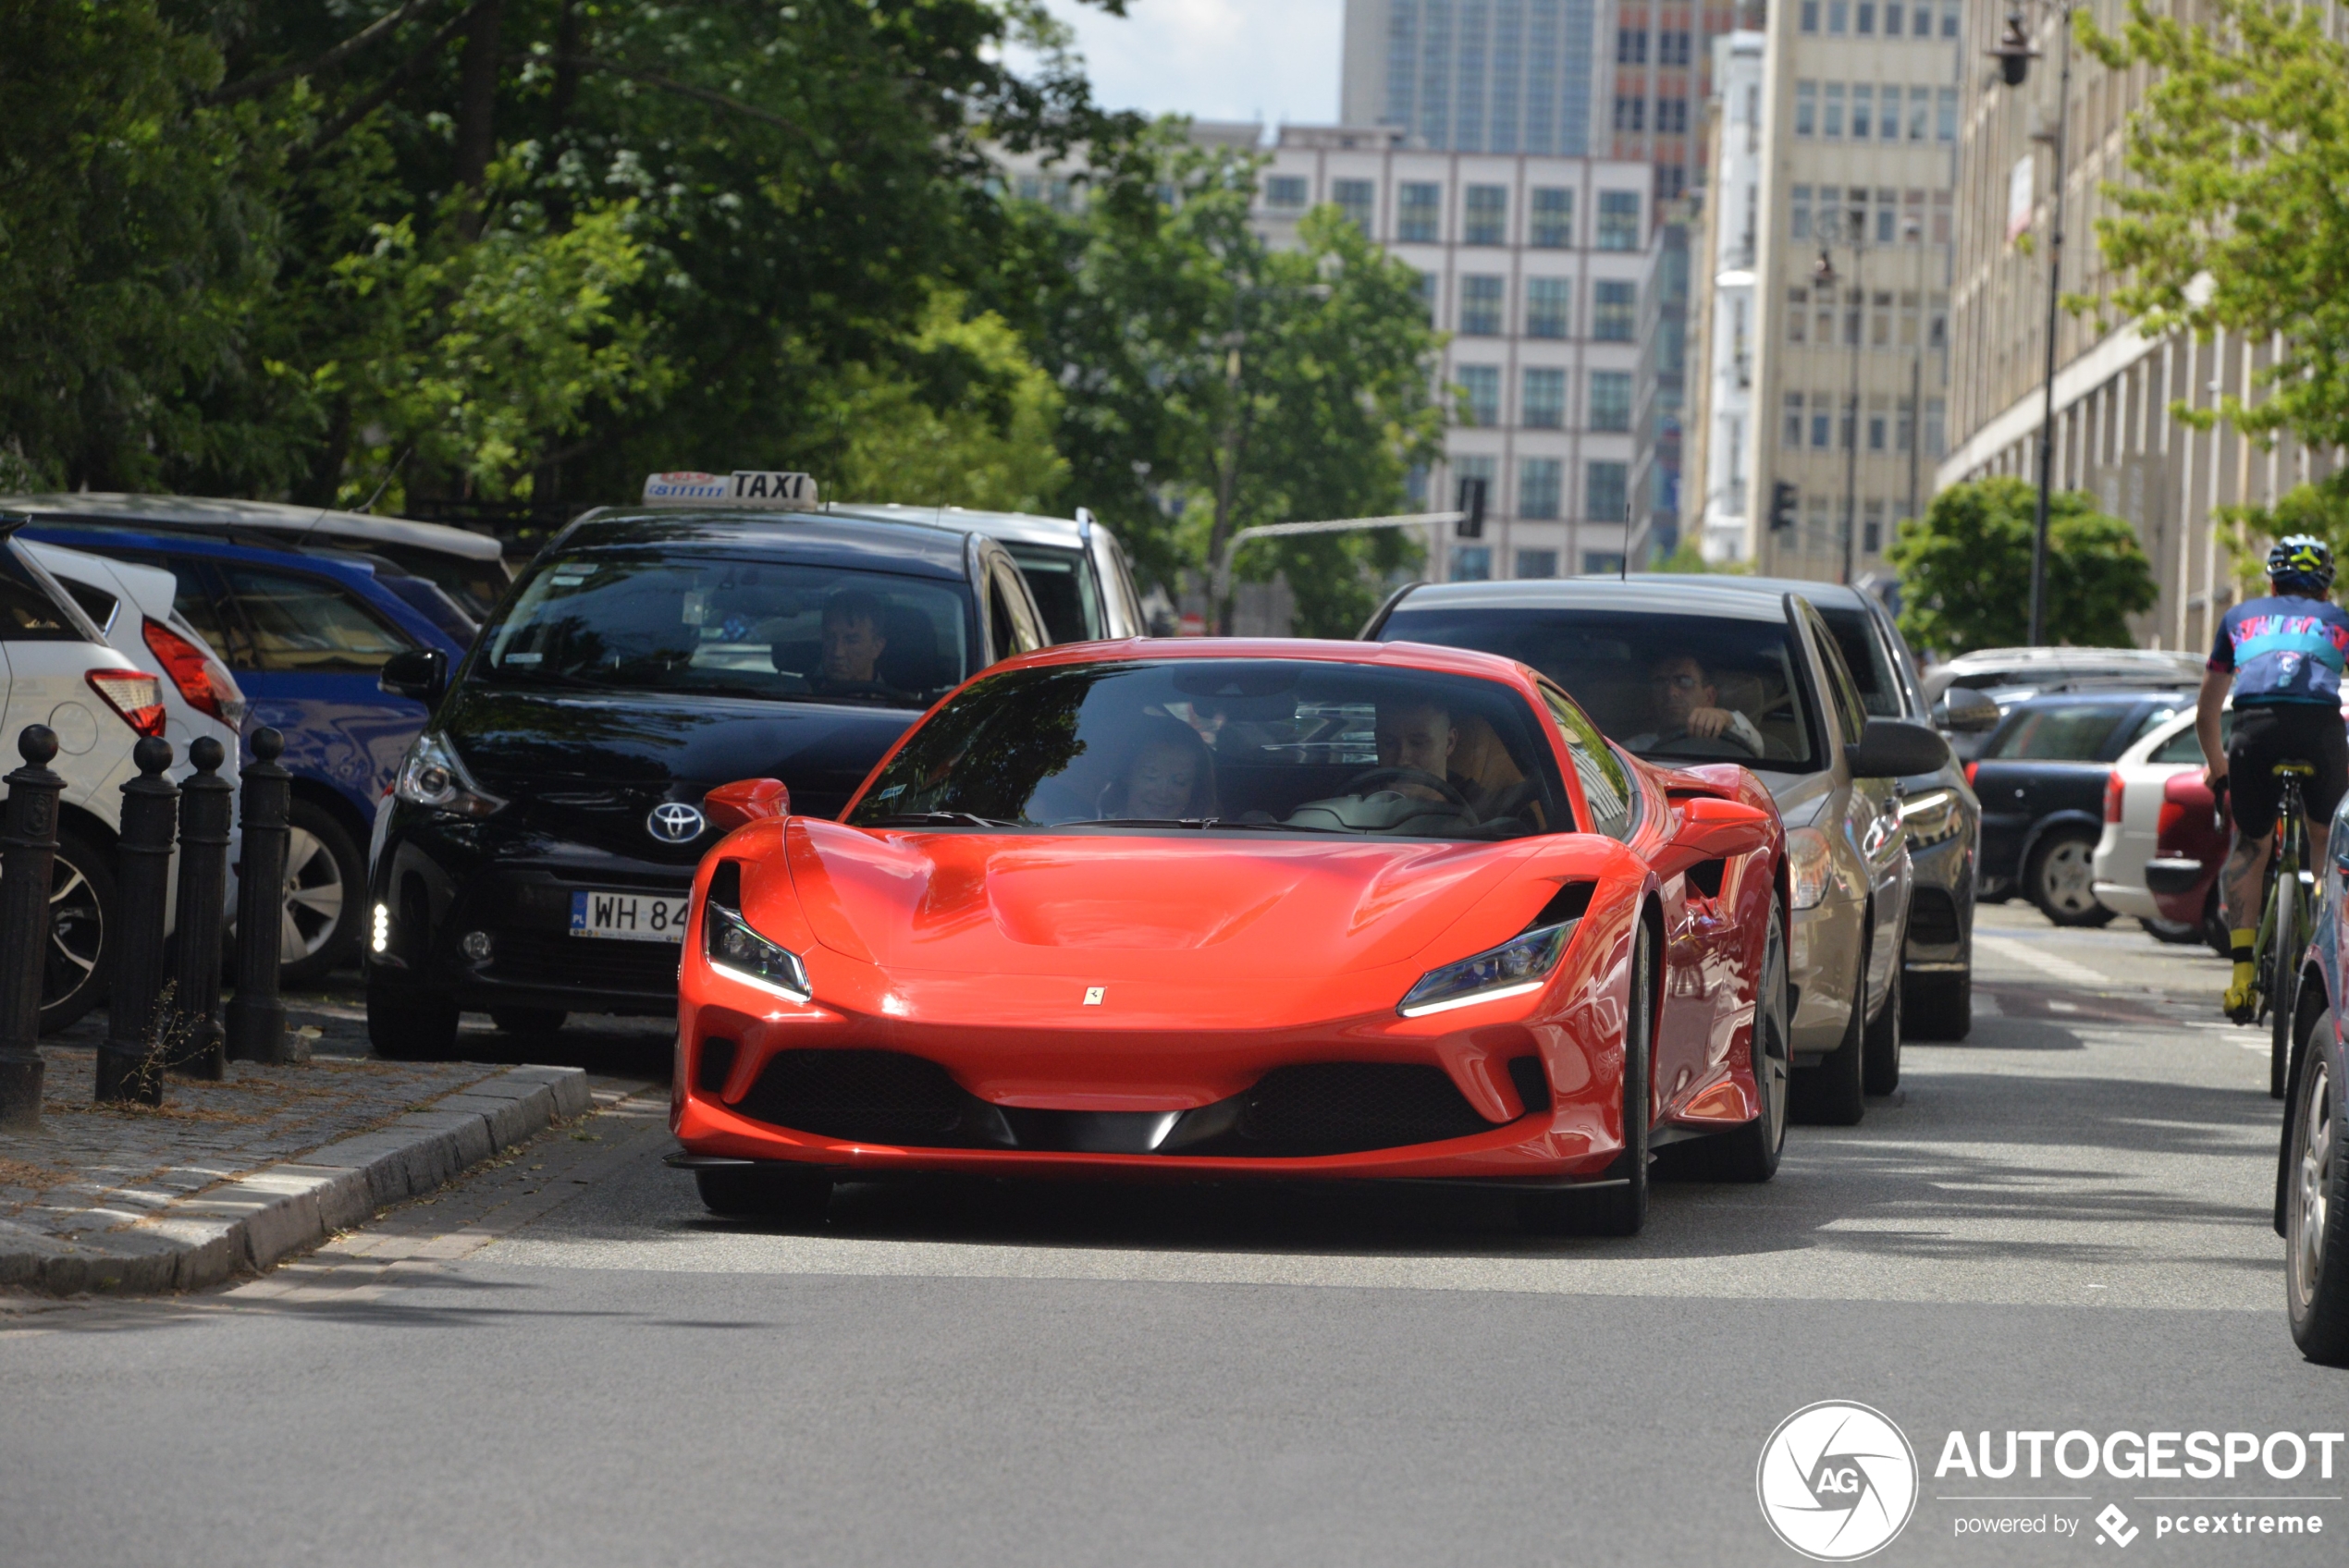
{"points": [[1859, 132], [2113, 435]]}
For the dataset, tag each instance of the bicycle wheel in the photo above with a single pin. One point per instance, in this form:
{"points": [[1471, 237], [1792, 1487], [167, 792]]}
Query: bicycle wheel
{"points": [[2290, 940]]}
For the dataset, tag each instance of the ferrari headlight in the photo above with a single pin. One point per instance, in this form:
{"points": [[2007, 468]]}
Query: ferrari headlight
{"points": [[1931, 817], [1809, 866], [430, 775], [1512, 969], [740, 953]]}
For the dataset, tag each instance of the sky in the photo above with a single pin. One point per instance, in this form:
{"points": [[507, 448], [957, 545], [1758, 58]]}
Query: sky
{"points": [[1272, 60]]}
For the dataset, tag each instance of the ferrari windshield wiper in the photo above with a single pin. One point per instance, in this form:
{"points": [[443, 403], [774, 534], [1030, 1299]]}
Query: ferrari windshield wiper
{"points": [[1223, 822], [1137, 822], [938, 818]]}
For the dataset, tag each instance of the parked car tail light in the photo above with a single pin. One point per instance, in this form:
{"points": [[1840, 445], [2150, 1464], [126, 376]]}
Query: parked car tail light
{"points": [[134, 695], [1969, 773], [2113, 791], [208, 687]]}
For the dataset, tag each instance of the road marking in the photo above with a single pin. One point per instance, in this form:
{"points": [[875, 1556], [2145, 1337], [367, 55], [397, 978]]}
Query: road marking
{"points": [[2045, 964]]}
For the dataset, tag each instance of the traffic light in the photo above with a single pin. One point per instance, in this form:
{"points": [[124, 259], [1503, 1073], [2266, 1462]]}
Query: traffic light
{"points": [[1782, 499], [1472, 502]]}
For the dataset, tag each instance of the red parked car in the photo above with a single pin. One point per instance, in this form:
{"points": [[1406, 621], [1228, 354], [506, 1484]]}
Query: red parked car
{"points": [[2183, 876]]}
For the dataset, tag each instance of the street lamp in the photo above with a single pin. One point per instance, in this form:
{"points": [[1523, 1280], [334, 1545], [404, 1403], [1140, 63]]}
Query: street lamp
{"points": [[1852, 225], [2014, 55]]}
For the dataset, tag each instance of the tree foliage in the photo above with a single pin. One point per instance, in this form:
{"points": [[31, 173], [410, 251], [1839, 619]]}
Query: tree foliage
{"points": [[1965, 570]]}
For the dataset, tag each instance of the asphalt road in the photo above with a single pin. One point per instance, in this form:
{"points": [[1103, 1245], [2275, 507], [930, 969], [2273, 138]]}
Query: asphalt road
{"points": [[2060, 1224]]}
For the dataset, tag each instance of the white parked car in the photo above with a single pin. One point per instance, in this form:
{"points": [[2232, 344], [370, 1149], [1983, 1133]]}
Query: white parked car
{"points": [[2133, 822]]}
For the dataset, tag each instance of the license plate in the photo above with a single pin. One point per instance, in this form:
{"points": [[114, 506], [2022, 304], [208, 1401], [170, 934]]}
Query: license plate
{"points": [[628, 917]]}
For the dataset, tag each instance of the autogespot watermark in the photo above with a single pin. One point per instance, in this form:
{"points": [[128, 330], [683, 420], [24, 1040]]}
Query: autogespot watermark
{"points": [[1838, 1481]]}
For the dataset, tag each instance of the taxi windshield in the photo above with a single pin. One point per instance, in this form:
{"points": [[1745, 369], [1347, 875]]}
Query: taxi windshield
{"points": [[1220, 746], [720, 625]]}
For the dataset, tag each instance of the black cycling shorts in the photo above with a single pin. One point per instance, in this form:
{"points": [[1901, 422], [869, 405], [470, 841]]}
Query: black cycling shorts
{"points": [[2273, 732]]}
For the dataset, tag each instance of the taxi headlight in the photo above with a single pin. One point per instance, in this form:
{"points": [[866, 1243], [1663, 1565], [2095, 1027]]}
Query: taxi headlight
{"points": [[431, 774], [1513, 969], [1931, 817], [1809, 866], [740, 953]]}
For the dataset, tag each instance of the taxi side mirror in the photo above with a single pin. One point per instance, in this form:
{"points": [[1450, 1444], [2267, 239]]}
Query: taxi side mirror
{"points": [[745, 801], [1895, 748]]}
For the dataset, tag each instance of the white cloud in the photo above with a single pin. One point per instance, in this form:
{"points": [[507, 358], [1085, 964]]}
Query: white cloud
{"points": [[1273, 60]]}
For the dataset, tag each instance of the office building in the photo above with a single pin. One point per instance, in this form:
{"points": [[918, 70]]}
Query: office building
{"points": [[1718, 444]]}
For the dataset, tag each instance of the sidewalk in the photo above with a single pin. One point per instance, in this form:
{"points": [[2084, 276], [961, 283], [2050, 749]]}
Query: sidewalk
{"points": [[232, 1175]]}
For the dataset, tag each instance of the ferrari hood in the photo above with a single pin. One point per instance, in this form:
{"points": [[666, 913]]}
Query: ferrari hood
{"points": [[1202, 906]]}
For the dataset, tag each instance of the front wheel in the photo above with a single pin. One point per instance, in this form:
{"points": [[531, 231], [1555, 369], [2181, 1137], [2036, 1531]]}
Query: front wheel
{"points": [[326, 872], [1937, 1005], [765, 1191], [1880, 1048], [2317, 1207], [2061, 877], [1834, 1093], [1750, 1153]]}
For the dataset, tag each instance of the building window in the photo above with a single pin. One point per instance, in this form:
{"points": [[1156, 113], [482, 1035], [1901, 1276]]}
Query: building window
{"points": [[1838, 16], [1606, 489], [1892, 15], [1672, 48], [1880, 431], [1424, 290], [1481, 471], [1799, 206], [1920, 111], [1601, 563], [1547, 304], [1793, 433], [1483, 385], [1887, 214], [1419, 219], [1871, 530], [1832, 123], [1937, 322], [1286, 191], [1539, 481], [1480, 306], [1540, 563], [1353, 198], [1863, 20], [1544, 407], [1488, 214], [1471, 563], [1863, 109], [1553, 227], [1880, 321], [1610, 399], [1949, 20], [1945, 115], [1798, 313], [1810, 16], [1614, 311], [1631, 47], [1630, 113], [1672, 117], [1940, 217], [1806, 108], [1618, 220], [1822, 421]]}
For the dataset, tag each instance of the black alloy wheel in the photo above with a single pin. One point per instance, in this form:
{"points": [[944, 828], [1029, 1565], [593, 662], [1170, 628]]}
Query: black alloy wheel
{"points": [[1750, 1153], [81, 909], [1937, 1005], [778, 1193], [2315, 1206], [1880, 1045], [408, 1026], [528, 1023], [1620, 1209], [1834, 1093], [2061, 878]]}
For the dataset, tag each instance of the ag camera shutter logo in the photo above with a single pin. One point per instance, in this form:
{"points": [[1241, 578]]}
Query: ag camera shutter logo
{"points": [[1837, 1481]]}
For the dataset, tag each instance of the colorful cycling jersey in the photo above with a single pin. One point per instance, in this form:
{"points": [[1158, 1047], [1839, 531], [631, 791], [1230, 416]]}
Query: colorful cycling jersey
{"points": [[2282, 649]]}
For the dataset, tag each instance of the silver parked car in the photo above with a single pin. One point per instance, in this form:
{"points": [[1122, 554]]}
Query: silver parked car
{"points": [[1690, 672]]}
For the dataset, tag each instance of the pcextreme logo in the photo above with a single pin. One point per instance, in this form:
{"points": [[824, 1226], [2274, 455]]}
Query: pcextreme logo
{"points": [[1838, 1481]]}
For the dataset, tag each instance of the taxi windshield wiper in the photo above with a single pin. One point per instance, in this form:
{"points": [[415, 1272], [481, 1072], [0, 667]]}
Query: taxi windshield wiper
{"points": [[938, 819]]}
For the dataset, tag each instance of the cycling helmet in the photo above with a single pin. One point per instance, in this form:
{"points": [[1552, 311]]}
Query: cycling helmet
{"points": [[2300, 562]]}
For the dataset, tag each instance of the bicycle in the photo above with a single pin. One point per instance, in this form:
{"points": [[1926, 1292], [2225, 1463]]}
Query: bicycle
{"points": [[2285, 923]]}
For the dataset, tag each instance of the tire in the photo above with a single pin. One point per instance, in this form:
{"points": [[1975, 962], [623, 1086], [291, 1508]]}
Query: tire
{"points": [[1937, 1006], [1880, 1042], [2283, 1001], [531, 1022], [1834, 1094], [407, 1026], [81, 923], [765, 1191], [1616, 1210], [324, 899], [2317, 1206], [2170, 933], [2061, 878], [1750, 1153]]}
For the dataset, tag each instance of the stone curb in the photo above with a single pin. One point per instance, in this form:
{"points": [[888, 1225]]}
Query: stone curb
{"points": [[252, 1222]]}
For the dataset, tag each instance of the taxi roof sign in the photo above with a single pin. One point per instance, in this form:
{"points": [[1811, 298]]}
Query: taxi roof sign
{"points": [[744, 487]]}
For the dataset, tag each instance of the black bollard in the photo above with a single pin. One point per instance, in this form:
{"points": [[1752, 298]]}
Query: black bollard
{"points": [[129, 1068], [257, 1016], [30, 847], [194, 1031]]}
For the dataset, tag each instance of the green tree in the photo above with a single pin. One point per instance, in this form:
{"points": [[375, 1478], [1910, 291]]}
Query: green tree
{"points": [[1965, 570]]}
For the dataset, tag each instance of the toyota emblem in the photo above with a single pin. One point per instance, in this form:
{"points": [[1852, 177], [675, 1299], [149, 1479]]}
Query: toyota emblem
{"points": [[674, 822]]}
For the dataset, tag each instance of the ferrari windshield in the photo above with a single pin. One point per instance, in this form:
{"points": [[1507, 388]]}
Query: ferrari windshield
{"points": [[703, 623], [1227, 746], [1674, 688]]}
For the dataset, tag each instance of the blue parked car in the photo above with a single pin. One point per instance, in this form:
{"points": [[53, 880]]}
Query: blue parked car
{"points": [[305, 631], [2312, 1176]]}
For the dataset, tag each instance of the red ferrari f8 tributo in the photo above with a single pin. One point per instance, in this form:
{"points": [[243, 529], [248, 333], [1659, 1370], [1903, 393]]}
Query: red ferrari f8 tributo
{"points": [[1229, 909]]}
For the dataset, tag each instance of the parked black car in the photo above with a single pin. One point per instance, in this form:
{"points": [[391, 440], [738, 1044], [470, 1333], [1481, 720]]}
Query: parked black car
{"points": [[545, 826], [2040, 778]]}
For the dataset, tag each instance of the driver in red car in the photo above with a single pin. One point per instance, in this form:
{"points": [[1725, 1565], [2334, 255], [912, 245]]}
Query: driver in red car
{"points": [[1687, 703]]}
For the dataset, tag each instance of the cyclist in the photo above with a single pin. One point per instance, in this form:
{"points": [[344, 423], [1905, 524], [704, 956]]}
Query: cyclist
{"points": [[2282, 655]]}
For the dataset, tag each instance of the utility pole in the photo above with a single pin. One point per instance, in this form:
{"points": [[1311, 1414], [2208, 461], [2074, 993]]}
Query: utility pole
{"points": [[1854, 226]]}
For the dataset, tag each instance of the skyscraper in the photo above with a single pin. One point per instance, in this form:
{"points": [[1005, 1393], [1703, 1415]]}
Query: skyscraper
{"points": [[1476, 76]]}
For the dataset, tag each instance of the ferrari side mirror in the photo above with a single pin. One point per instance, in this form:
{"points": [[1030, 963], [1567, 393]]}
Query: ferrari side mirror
{"points": [[745, 801]]}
